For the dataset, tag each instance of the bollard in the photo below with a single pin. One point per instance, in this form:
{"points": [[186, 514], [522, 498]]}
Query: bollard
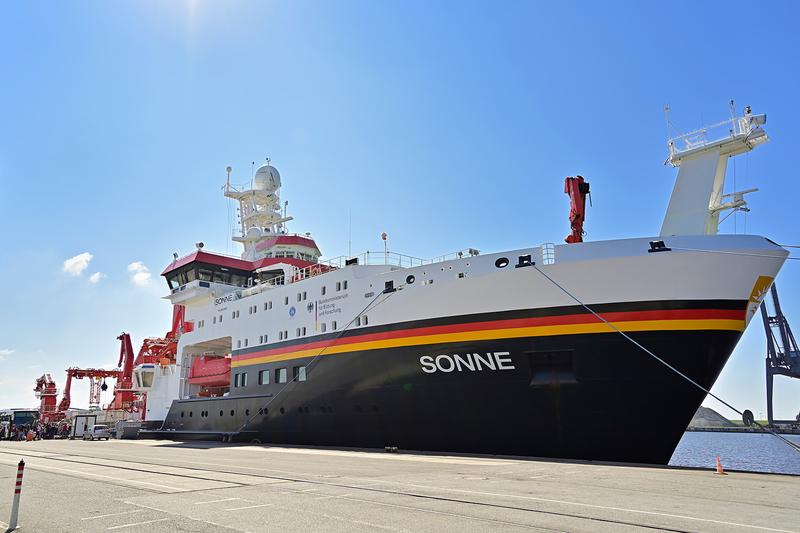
{"points": [[12, 523]]}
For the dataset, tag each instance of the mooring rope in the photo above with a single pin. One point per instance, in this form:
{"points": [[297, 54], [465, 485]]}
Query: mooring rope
{"points": [[794, 446], [319, 354]]}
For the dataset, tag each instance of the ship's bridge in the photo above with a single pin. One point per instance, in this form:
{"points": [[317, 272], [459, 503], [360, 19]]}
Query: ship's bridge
{"points": [[198, 274]]}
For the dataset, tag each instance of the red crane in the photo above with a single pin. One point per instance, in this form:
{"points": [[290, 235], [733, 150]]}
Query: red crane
{"points": [[577, 189], [154, 350], [47, 392]]}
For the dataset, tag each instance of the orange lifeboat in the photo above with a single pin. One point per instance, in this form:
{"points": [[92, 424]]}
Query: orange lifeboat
{"points": [[211, 371]]}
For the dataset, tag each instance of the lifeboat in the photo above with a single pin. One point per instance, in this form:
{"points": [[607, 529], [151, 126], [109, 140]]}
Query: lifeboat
{"points": [[211, 371]]}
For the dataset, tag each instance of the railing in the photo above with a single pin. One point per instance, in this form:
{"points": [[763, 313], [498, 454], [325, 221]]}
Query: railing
{"points": [[727, 129], [396, 259]]}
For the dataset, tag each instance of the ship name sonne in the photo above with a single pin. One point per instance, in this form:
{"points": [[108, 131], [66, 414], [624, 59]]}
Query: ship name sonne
{"points": [[470, 362]]}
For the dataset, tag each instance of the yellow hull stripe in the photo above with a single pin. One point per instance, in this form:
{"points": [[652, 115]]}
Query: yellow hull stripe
{"points": [[509, 333]]}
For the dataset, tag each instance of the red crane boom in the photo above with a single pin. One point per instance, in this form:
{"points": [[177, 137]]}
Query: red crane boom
{"points": [[577, 189]]}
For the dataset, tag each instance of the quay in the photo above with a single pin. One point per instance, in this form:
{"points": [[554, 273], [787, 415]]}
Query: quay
{"points": [[137, 485]]}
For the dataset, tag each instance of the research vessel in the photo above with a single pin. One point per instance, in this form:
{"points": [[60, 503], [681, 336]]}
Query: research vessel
{"points": [[551, 350]]}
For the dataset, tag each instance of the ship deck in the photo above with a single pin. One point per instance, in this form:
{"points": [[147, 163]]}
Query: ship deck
{"points": [[128, 485]]}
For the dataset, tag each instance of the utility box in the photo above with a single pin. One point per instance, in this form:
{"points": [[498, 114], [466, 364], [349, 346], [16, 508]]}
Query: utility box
{"points": [[127, 429], [81, 424]]}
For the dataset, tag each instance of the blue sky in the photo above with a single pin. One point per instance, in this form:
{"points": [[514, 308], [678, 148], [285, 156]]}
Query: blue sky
{"points": [[445, 124]]}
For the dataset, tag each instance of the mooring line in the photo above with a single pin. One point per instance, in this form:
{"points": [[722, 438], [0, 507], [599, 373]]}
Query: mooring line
{"points": [[794, 446]]}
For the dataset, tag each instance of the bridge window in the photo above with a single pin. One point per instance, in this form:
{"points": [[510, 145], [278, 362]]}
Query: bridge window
{"points": [[244, 379], [299, 373], [263, 377]]}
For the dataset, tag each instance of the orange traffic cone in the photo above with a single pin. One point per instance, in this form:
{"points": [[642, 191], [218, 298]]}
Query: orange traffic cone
{"points": [[720, 471]]}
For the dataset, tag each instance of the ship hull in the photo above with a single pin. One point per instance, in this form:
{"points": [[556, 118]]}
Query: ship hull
{"points": [[590, 396]]}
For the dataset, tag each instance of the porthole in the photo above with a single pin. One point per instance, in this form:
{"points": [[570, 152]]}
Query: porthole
{"points": [[247, 412], [282, 410], [220, 412], [410, 279], [501, 262], [266, 411], [190, 414], [261, 411], [232, 411]]}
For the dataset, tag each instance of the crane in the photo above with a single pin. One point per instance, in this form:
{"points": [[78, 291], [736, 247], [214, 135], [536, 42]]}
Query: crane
{"points": [[783, 355]]}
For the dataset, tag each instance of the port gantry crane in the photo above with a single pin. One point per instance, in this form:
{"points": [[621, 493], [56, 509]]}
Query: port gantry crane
{"points": [[783, 355]]}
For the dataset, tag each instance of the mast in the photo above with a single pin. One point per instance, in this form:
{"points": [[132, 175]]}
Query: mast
{"points": [[697, 199], [260, 215]]}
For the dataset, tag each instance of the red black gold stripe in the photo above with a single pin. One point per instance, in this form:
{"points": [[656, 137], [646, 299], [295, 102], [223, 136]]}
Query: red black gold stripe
{"points": [[728, 316]]}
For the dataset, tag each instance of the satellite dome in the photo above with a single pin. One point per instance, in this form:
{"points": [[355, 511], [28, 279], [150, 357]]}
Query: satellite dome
{"points": [[267, 178]]}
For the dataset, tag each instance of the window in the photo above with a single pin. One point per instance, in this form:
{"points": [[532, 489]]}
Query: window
{"points": [[365, 320], [286, 300], [236, 380], [239, 343], [267, 305], [280, 335], [263, 377], [215, 320], [244, 379], [323, 290], [305, 296], [299, 296], [245, 343], [344, 284], [280, 375], [338, 286], [266, 339], [299, 373], [358, 321], [220, 319], [324, 327], [304, 331], [297, 332], [260, 339], [286, 334], [333, 325]]}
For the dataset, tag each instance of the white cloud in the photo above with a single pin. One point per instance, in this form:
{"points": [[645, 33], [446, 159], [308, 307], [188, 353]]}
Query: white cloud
{"points": [[5, 352], [74, 266], [141, 274], [97, 276]]}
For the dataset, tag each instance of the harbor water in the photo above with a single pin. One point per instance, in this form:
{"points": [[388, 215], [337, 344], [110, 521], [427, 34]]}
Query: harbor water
{"points": [[755, 452]]}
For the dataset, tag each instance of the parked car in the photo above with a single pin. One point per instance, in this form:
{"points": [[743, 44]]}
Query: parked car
{"points": [[98, 431]]}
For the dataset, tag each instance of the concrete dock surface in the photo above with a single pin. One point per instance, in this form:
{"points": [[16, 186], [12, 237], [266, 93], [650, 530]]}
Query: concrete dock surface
{"points": [[144, 485]]}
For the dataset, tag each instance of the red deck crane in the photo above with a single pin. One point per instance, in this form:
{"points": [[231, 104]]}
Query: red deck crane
{"points": [[577, 189]]}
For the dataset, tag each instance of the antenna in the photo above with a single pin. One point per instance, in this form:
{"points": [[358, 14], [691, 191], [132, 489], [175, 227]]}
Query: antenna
{"points": [[229, 169], [666, 118], [350, 233]]}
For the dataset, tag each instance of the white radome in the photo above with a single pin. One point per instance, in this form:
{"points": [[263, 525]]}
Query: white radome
{"points": [[267, 178]]}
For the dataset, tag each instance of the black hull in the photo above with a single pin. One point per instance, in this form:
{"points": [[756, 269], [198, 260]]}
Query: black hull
{"points": [[586, 396]]}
